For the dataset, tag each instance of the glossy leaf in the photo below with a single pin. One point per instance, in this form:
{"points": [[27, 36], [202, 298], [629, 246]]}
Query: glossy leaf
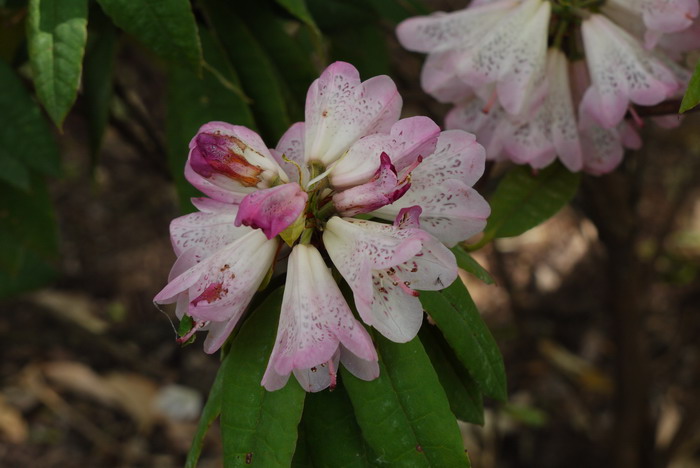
{"points": [[167, 27], [467, 263], [404, 414], [455, 314], [260, 80], [24, 134], [692, 95], [211, 411], [462, 391], [194, 101], [329, 421], [258, 427], [97, 77], [56, 33], [524, 199]]}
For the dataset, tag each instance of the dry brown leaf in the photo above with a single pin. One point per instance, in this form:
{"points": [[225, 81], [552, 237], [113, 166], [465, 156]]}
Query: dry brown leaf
{"points": [[13, 427]]}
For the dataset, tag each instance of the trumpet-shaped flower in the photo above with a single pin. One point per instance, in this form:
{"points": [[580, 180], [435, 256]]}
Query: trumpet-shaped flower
{"points": [[621, 72], [315, 322]]}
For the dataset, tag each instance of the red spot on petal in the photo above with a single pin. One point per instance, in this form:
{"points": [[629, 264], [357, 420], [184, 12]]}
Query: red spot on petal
{"points": [[212, 293]]}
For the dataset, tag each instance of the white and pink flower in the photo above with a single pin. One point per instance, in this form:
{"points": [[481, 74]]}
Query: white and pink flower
{"points": [[491, 61], [352, 155]]}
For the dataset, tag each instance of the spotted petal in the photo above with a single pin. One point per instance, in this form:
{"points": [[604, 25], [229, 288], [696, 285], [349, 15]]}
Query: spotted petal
{"points": [[314, 321], [340, 110]]}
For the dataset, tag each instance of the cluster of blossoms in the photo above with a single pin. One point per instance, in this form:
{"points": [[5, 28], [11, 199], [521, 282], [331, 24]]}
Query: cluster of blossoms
{"points": [[293, 208], [517, 70]]}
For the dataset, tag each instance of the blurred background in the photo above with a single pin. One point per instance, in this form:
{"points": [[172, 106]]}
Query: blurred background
{"points": [[596, 311]]}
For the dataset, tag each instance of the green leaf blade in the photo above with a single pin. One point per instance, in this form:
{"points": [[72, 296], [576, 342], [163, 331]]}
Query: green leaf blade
{"points": [[467, 263], [462, 391], [167, 27], [692, 95], [404, 414], [523, 200], [57, 33], [24, 133], [258, 427], [211, 411], [329, 421], [455, 314]]}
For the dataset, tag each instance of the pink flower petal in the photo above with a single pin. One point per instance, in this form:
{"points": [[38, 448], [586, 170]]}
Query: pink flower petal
{"points": [[291, 146], [314, 320], [273, 209], [408, 139], [340, 110], [209, 231]]}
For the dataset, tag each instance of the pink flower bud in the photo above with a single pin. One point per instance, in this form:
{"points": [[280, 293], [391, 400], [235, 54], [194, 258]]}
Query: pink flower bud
{"points": [[273, 209]]}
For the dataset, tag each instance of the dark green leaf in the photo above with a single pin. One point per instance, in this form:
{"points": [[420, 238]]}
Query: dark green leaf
{"points": [[468, 264], [57, 32], [31, 271], [455, 314], [397, 10], [24, 134], [258, 427], [194, 101], [462, 391], [523, 200], [167, 27], [404, 414], [692, 95], [364, 46], [298, 9], [292, 64], [97, 77], [28, 218], [333, 14], [301, 458], [13, 172], [211, 411], [260, 80], [27, 238], [329, 421]]}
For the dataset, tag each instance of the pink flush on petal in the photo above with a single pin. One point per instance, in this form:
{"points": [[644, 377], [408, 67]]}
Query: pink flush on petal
{"points": [[384, 188], [223, 154], [273, 209]]}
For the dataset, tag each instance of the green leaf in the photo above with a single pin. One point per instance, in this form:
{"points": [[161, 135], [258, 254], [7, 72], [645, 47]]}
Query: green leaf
{"points": [[455, 314], [211, 411], [300, 11], [292, 64], [462, 391], [468, 264], [397, 11], [57, 32], [28, 240], [260, 80], [404, 414], [194, 101], [97, 77], [27, 217], [258, 427], [523, 200], [167, 27], [329, 422], [692, 95], [13, 172], [24, 134]]}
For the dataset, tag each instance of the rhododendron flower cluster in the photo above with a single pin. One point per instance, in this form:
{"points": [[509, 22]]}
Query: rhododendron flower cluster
{"points": [[292, 208], [537, 79]]}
